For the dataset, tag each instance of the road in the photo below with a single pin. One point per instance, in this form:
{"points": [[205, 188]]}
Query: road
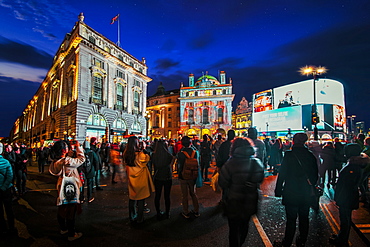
{"points": [[104, 222]]}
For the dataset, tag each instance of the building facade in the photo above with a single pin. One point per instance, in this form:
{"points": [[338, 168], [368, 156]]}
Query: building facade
{"points": [[94, 88], [163, 114], [206, 106], [242, 118]]}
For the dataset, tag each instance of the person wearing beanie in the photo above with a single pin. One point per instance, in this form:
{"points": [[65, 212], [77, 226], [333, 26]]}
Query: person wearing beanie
{"points": [[346, 191], [298, 164], [6, 177]]}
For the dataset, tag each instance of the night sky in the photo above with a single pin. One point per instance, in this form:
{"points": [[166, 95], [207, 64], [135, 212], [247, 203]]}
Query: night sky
{"points": [[260, 44]]}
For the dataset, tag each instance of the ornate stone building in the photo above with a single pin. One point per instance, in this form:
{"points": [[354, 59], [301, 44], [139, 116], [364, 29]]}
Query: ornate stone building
{"points": [[242, 119], [94, 88], [206, 106], [163, 114]]}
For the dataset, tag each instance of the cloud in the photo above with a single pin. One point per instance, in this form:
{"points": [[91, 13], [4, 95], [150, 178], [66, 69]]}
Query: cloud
{"points": [[229, 62], [17, 52], [165, 63], [13, 100], [202, 41]]}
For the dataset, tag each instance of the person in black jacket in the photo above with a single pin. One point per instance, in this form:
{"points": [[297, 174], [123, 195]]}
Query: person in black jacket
{"points": [[224, 151], [161, 161], [20, 170], [346, 191], [240, 179], [90, 175], [205, 157], [298, 164]]}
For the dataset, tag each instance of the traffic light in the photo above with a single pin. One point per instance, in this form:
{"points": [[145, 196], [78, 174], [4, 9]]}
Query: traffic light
{"points": [[315, 119], [111, 132]]}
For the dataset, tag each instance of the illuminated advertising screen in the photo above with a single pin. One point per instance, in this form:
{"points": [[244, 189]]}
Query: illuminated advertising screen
{"points": [[339, 117], [262, 101], [279, 119]]}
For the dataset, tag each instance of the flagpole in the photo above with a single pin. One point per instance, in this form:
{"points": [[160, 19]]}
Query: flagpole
{"points": [[118, 42]]}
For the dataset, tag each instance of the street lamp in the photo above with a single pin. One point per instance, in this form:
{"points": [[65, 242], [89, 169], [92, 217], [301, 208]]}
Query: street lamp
{"points": [[314, 71], [65, 135]]}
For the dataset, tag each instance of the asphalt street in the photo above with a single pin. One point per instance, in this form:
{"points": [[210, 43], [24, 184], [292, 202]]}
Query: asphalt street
{"points": [[104, 222]]}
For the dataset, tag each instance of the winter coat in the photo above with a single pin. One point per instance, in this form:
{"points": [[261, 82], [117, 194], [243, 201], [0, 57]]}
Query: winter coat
{"points": [[70, 167], [162, 166], [10, 156], [328, 158], [6, 174], [346, 190], [20, 162], [94, 162], [140, 183], [240, 178], [276, 154], [206, 151], [292, 182], [223, 154], [260, 150]]}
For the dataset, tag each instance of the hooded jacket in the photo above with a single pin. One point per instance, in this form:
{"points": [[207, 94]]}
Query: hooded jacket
{"points": [[240, 178]]}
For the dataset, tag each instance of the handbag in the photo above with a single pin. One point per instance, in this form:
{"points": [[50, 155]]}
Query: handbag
{"points": [[315, 191], [69, 190], [214, 183]]}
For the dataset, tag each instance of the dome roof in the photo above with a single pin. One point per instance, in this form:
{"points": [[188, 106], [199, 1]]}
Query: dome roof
{"points": [[207, 80]]}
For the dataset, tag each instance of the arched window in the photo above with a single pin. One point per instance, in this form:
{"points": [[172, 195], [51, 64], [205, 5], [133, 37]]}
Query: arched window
{"points": [[191, 116], [97, 94], [96, 120], [119, 124], [224, 91], [220, 115], [92, 39], [120, 96], [205, 116]]}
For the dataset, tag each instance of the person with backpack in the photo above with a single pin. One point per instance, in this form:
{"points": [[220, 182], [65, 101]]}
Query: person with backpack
{"points": [[89, 168], [66, 166], [188, 165], [240, 179]]}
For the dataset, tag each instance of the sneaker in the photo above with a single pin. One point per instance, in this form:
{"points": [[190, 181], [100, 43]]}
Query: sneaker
{"points": [[91, 199], [196, 214], [76, 236], [146, 210], [63, 232], [186, 216]]}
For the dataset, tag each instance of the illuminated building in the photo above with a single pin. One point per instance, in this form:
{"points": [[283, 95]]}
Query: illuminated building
{"points": [[93, 88], [242, 118], [163, 114], [285, 110], [206, 106]]}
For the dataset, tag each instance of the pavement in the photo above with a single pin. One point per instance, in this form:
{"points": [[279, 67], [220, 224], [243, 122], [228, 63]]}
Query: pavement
{"points": [[104, 222]]}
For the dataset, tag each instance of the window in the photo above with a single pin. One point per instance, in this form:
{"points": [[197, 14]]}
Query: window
{"points": [[220, 115], [136, 102], [169, 124], [97, 95], [169, 116], [120, 95], [120, 57], [205, 116], [169, 101], [169, 109], [120, 74], [224, 91], [214, 92], [191, 116], [136, 83], [92, 39], [70, 88], [187, 94], [196, 93], [107, 49], [98, 63]]}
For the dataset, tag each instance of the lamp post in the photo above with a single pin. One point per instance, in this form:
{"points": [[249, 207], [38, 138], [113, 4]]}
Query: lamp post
{"points": [[314, 71], [65, 135]]}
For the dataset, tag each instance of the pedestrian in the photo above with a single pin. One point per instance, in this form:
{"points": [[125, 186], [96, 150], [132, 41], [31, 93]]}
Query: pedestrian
{"points": [[346, 194], [224, 151], [205, 157], [298, 166], [140, 184], [241, 177], [217, 145], [6, 177], [161, 161], [63, 165], [94, 147], [20, 170], [89, 171], [41, 159], [276, 156], [259, 146], [327, 156], [9, 155], [187, 185], [364, 187], [339, 158]]}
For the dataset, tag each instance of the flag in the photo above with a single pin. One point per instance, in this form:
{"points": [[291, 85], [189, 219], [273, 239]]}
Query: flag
{"points": [[114, 19]]}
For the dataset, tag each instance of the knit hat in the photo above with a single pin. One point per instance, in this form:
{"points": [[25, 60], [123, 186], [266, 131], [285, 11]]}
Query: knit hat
{"points": [[300, 138], [352, 149]]}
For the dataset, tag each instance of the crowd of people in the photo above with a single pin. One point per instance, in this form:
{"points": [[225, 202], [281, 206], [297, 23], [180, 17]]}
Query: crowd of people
{"points": [[241, 164]]}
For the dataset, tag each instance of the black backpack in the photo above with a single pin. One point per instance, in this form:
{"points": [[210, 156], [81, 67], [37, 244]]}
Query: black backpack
{"points": [[87, 166]]}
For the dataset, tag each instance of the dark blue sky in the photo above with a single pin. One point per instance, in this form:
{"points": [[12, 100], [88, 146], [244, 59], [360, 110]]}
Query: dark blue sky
{"points": [[260, 44]]}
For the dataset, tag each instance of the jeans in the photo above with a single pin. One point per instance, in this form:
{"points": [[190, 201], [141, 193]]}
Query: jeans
{"points": [[302, 211], [188, 187], [97, 178], [166, 185], [21, 181], [136, 210], [345, 225], [6, 201]]}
